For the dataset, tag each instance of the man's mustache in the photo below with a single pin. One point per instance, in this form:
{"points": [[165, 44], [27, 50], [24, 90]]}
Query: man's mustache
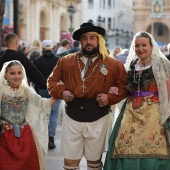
{"points": [[89, 45]]}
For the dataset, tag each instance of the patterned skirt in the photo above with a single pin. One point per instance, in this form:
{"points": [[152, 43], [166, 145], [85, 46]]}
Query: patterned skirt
{"points": [[20, 153], [138, 140]]}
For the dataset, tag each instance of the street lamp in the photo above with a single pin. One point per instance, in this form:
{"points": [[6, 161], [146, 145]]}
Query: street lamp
{"points": [[127, 39], [71, 11], [15, 7], [117, 36], [99, 20]]}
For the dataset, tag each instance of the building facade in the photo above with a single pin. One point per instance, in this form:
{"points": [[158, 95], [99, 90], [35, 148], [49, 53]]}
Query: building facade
{"points": [[42, 19], [51, 19], [116, 16], [153, 16]]}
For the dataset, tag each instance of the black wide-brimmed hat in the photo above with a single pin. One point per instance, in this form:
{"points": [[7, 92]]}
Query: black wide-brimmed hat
{"points": [[87, 27]]}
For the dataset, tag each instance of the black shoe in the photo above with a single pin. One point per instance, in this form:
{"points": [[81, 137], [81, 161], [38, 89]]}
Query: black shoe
{"points": [[51, 144]]}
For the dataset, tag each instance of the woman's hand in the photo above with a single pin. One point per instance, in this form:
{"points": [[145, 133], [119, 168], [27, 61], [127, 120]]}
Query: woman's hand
{"points": [[113, 90]]}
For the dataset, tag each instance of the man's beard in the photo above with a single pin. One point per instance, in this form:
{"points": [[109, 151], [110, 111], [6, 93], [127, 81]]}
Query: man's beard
{"points": [[92, 52]]}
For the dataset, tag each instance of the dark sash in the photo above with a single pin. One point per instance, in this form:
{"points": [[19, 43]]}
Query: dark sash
{"points": [[85, 110]]}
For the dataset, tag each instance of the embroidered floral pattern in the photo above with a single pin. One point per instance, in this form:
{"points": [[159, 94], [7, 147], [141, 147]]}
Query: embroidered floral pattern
{"points": [[14, 111], [140, 133]]}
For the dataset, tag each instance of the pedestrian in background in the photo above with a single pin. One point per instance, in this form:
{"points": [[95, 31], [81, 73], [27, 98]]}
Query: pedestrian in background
{"points": [[33, 74], [23, 121], [45, 63], [25, 51], [116, 50], [122, 56], [76, 47], [35, 50], [56, 47], [141, 135], [64, 49], [87, 76]]}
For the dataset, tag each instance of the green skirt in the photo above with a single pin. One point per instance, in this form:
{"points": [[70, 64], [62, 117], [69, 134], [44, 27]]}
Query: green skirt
{"points": [[131, 163]]}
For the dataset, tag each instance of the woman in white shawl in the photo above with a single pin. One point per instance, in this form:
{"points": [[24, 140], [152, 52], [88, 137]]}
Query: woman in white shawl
{"points": [[23, 120], [140, 139]]}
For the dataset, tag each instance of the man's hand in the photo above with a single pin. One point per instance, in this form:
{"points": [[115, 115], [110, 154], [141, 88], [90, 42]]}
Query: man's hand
{"points": [[68, 96], [102, 99]]}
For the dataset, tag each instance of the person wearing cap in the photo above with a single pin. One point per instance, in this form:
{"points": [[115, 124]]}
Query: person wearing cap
{"points": [[87, 76], [45, 63]]}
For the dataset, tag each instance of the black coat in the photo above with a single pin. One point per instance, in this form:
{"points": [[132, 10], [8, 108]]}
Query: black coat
{"points": [[46, 63], [32, 72]]}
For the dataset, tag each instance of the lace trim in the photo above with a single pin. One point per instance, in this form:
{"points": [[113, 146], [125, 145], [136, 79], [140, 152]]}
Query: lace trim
{"points": [[161, 71], [39, 152]]}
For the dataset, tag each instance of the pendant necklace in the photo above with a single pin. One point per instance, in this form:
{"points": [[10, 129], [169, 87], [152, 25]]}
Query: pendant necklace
{"points": [[15, 95], [85, 78]]}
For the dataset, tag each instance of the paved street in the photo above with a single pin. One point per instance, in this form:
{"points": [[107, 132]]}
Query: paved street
{"points": [[54, 160]]}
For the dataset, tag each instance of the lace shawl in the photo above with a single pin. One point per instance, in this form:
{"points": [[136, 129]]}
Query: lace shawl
{"points": [[38, 108], [161, 70]]}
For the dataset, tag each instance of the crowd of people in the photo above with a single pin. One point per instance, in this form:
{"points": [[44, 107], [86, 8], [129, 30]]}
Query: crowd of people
{"points": [[89, 79]]}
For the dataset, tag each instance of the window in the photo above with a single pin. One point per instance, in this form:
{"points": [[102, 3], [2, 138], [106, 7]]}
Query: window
{"points": [[113, 3], [160, 30], [109, 24], [109, 4], [113, 23], [104, 21], [100, 3], [90, 3]]}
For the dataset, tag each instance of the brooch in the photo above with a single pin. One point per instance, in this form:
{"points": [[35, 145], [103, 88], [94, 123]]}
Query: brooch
{"points": [[103, 70]]}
